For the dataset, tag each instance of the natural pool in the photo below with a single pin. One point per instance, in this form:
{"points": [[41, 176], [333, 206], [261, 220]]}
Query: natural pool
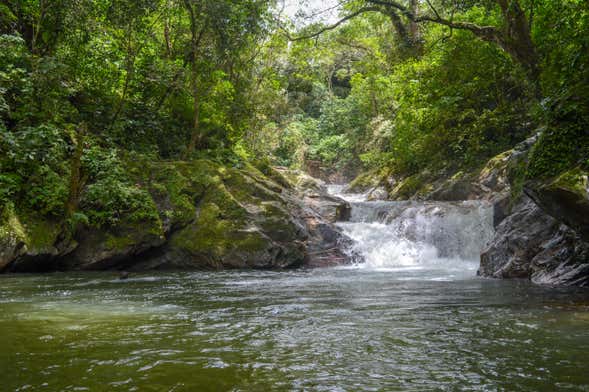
{"points": [[346, 329]]}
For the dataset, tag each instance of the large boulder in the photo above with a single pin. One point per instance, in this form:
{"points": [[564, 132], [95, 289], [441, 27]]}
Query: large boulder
{"points": [[30, 243], [566, 198], [241, 219], [326, 244], [530, 244]]}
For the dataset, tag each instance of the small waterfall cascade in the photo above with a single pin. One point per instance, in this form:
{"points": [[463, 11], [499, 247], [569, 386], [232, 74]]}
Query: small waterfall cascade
{"points": [[417, 235]]}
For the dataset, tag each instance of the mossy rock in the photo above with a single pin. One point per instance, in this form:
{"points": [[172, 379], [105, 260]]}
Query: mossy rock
{"points": [[414, 186], [365, 181], [38, 234], [566, 198], [265, 167], [12, 236], [102, 249], [247, 189], [560, 148], [217, 242]]}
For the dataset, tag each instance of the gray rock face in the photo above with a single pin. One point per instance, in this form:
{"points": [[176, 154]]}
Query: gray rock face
{"points": [[566, 198], [326, 242], [330, 208], [530, 244]]}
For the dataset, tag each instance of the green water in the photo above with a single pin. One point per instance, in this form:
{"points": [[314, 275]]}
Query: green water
{"points": [[321, 330]]}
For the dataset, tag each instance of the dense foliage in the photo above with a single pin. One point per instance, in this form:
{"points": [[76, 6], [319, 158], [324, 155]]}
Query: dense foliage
{"points": [[403, 87], [170, 79], [450, 102]]}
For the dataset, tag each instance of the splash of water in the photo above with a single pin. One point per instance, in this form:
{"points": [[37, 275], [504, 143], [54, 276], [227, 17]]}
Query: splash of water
{"points": [[418, 235]]}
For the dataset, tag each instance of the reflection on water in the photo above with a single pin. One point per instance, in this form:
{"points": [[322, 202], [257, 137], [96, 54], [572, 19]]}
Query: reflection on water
{"points": [[325, 330]]}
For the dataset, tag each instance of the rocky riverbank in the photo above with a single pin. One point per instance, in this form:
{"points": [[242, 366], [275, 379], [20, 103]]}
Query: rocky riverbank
{"points": [[198, 215]]}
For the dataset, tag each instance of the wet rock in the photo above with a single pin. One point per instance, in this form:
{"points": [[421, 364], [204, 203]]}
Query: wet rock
{"points": [[530, 244], [378, 193], [563, 261], [108, 249], [332, 209], [327, 244]]}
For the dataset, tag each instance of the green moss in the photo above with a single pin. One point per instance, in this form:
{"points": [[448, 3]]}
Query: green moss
{"points": [[11, 227], [265, 168], [574, 180], [246, 189], [559, 149], [39, 233], [214, 235], [119, 243], [517, 179], [250, 242], [365, 181], [495, 163], [410, 186]]}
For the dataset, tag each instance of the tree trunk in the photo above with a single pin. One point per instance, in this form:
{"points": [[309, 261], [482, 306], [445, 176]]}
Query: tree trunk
{"points": [[415, 30], [196, 38], [76, 182], [195, 137], [518, 38]]}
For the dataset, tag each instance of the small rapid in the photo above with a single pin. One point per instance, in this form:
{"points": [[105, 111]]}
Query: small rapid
{"points": [[410, 235]]}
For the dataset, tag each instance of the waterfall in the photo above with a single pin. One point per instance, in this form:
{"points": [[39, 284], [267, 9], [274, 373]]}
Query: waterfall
{"points": [[418, 235]]}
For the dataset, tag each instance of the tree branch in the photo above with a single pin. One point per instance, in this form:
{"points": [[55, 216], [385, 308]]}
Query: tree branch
{"points": [[330, 27], [489, 33]]}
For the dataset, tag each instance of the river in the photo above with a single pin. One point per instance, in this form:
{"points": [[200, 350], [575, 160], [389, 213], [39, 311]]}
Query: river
{"points": [[413, 317]]}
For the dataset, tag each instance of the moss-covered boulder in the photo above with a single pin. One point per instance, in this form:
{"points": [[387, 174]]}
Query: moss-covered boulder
{"points": [[566, 198], [220, 217], [180, 215], [29, 242], [12, 237]]}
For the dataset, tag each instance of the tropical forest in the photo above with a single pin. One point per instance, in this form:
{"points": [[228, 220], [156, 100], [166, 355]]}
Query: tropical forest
{"points": [[294, 195]]}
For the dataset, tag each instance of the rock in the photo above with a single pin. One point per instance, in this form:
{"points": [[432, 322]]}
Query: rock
{"points": [[502, 206], [565, 198], [415, 187], [110, 249], [326, 243], [460, 187], [12, 237], [206, 216], [364, 182], [378, 193], [492, 183], [332, 209], [29, 243], [563, 261], [530, 244], [243, 220]]}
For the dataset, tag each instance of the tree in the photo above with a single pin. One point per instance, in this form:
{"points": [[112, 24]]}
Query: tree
{"points": [[513, 35]]}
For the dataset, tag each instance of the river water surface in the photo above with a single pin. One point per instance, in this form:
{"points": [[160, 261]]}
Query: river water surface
{"points": [[413, 317]]}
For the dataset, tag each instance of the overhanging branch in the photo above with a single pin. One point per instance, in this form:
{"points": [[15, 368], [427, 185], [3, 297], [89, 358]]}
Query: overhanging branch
{"points": [[330, 27]]}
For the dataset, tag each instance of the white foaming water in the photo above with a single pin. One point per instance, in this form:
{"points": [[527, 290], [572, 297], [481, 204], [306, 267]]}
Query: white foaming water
{"points": [[339, 191], [410, 235]]}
